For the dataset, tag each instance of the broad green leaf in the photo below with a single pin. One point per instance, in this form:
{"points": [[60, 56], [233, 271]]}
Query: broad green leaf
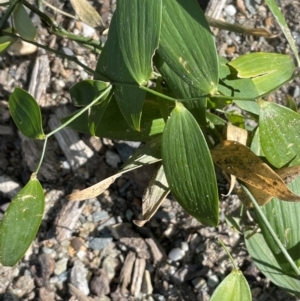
{"points": [[249, 106], [188, 167], [256, 145], [138, 27], [187, 45], [21, 222], [26, 114], [87, 13], [284, 219], [112, 124], [268, 71], [148, 154], [279, 130], [233, 288], [6, 41], [23, 23], [84, 92], [282, 23], [112, 65], [268, 265]]}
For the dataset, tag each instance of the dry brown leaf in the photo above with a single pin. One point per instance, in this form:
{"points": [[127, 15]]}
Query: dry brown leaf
{"points": [[87, 13], [235, 133], [239, 160], [232, 184], [155, 194], [289, 174]]}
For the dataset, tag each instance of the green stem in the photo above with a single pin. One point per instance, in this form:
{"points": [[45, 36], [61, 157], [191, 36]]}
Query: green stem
{"points": [[8, 13], [229, 255], [157, 93], [42, 156], [80, 112], [271, 231]]}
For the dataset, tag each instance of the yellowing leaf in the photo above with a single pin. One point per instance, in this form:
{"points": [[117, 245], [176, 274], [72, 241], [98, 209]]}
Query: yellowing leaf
{"points": [[239, 160]]}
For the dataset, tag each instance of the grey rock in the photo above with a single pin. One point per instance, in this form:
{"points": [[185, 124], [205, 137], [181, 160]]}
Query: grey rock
{"points": [[126, 148], [100, 216], [199, 283], [99, 243], [9, 187], [60, 266], [67, 51], [100, 283], [230, 10], [23, 286], [109, 265], [176, 254], [112, 158], [213, 281], [7, 274], [78, 277], [110, 222]]}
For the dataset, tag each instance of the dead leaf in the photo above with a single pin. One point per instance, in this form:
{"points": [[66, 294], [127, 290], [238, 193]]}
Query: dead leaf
{"points": [[237, 159], [155, 194], [235, 133], [232, 184], [87, 13]]}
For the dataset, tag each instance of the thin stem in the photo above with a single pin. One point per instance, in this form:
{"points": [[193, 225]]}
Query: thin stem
{"points": [[271, 231], [43, 155], [8, 13], [80, 112], [157, 93], [228, 253], [59, 10], [4, 4]]}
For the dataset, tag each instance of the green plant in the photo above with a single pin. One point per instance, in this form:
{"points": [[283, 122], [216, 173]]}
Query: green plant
{"points": [[172, 116]]}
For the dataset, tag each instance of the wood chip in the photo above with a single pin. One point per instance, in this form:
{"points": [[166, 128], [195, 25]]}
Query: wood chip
{"points": [[157, 252], [75, 150], [137, 278], [125, 275]]}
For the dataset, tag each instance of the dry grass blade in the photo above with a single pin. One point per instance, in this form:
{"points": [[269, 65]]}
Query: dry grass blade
{"points": [[87, 13]]}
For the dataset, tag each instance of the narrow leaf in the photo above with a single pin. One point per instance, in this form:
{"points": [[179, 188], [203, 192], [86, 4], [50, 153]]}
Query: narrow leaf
{"points": [[26, 114], [87, 13], [138, 27], [189, 50], [233, 288], [6, 41], [279, 129], [189, 168], [268, 265], [148, 154], [23, 23], [21, 222], [154, 195]]}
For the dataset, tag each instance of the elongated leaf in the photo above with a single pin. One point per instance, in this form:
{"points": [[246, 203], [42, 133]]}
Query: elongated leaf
{"points": [[249, 106], [154, 195], [148, 154], [268, 265], [87, 13], [268, 71], [189, 50], [282, 23], [26, 114], [23, 23], [21, 222], [138, 26], [6, 41], [239, 160], [84, 92], [112, 65], [233, 288], [279, 129], [284, 219], [189, 168]]}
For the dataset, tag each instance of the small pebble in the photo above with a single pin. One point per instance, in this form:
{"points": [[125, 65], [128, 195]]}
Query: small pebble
{"points": [[199, 283], [99, 216], [213, 281], [78, 277], [184, 246], [230, 10], [99, 243], [67, 51], [129, 214], [112, 158], [176, 254], [60, 266]]}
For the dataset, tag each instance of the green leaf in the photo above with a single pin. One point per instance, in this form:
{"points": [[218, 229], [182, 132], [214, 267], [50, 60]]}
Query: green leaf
{"points": [[291, 103], [112, 124], [284, 219], [268, 265], [233, 288], [84, 92], [26, 114], [188, 167], [279, 129], [282, 23], [194, 60], [23, 23], [6, 41], [21, 222], [138, 27], [249, 106], [256, 145], [112, 65], [268, 71]]}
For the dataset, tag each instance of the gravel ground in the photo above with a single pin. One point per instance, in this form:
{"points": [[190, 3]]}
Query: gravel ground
{"points": [[92, 250]]}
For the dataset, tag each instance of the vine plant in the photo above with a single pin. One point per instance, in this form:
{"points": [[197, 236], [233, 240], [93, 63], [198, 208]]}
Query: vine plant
{"points": [[159, 80]]}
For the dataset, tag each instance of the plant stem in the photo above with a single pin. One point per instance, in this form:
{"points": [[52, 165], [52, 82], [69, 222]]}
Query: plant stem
{"points": [[42, 156], [80, 112], [7, 13], [157, 93], [271, 231], [229, 255]]}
